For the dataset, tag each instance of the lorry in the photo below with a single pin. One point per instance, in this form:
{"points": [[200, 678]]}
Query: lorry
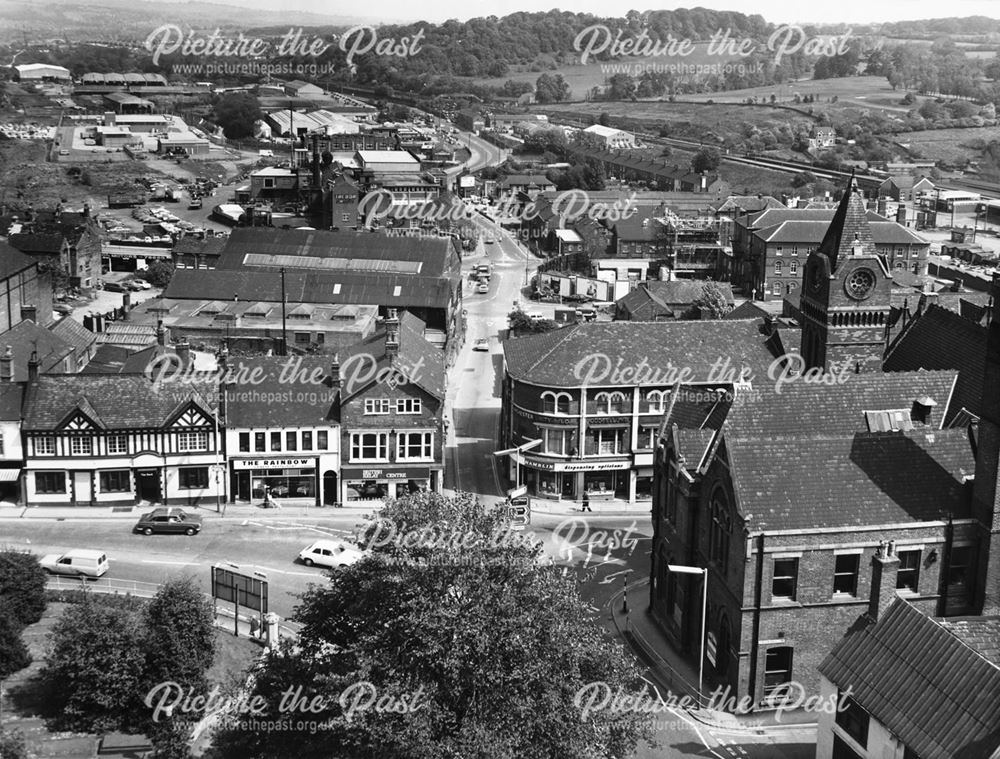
{"points": [[484, 272]]}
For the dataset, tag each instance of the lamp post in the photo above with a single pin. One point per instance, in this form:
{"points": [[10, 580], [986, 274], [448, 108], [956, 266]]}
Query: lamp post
{"points": [[703, 571]]}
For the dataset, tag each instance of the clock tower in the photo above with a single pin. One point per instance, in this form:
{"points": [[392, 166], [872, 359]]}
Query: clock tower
{"points": [[845, 294]]}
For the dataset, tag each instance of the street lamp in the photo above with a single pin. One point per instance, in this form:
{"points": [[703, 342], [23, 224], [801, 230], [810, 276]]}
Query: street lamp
{"points": [[703, 571]]}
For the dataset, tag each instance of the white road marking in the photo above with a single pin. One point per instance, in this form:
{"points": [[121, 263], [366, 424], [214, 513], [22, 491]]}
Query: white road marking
{"points": [[175, 563]]}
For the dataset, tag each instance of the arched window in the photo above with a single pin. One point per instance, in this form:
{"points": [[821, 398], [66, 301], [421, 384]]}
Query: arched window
{"points": [[548, 402], [654, 401], [793, 267], [609, 403], [562, 403], [777, 267], [720, 529]]}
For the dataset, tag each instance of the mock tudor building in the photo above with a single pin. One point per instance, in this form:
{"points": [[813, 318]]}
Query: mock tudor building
{"points": [[106, 440], [594, 395]]}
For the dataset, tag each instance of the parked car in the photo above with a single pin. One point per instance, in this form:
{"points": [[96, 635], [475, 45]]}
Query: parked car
{"points": [[482, 288], [62, 308], [79, 562], [482, 344], [138, 284], [115, 287], [330, 553], [169, 520]]}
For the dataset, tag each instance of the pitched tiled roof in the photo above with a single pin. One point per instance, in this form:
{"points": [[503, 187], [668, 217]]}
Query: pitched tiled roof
{"points": [[304, 402], [37, 242], [13, 260], [682, 291], [751, 203], [931, 690], [417, 358], [74, 333], [26, 337], [693, 445], [668, 348], [941, 339], [869, 478], [122, 401], [980, 633], [747, 310], [10, 401], [801, 409]]}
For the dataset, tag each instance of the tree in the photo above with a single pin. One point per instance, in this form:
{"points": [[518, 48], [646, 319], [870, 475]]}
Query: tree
{"points": [[604, 119], [551, 88], [13, 745], [908, 99], [14, 654], [159, 273], [803, 179], [236, 114], [711, 301], [22, 587], [706, 159], [621, 87], [53, 270], [93, 674], [521, 322], [179, 646], [464, 613], [931, 110]]}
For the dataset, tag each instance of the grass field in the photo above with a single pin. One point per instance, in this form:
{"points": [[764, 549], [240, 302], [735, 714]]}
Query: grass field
{"points": [[582, 79], [867, 91], [949, 145]]}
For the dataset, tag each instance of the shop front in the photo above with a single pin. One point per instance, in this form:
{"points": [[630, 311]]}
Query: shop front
{"points": [[389, 481], [575, 480], [281, 477]]}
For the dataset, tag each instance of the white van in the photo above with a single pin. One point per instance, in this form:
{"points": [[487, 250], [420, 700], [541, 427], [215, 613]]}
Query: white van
{"points": [[79, 562]]}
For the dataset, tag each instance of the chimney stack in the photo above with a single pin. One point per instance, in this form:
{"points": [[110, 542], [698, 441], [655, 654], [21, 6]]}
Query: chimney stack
{"points": [[222, 358], [161, 334], [392, 333], [885, 568], [183, 351], [7, 366], [33, 367], [335, 380], [29, 312]]}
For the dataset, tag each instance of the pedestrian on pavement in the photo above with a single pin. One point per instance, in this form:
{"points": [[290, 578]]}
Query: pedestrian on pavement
{"points": [[254, 627], [586, 503]]}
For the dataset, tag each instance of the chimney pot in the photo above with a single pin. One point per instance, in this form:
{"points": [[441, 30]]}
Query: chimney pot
{"points": [[885, 569], [33, 367]]}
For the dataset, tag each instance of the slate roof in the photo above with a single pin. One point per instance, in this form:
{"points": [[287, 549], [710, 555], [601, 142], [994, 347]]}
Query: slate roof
{"points": [[941, 339], [805, 231], [107, 359], [306, 403], [869, 478], [122, 401], [74, 333], [668, 348], [849, 229], [26, 337], [979, 633], [810, 410], [13, 260], [10, 401], [747, 310], [751, 203], [931, 690], [418, 359]]}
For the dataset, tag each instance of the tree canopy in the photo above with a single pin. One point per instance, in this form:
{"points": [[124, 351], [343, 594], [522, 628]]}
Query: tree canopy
{"points": [[22, 587], [454, 619], [236, 113]]}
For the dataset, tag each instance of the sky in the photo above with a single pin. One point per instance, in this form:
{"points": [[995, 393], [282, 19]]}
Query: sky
{"points": [[777, 11]]}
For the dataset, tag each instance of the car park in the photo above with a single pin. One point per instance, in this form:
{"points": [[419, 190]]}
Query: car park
{"points": [[482, 344], [169, 520], [79, 562], [330, 553]]}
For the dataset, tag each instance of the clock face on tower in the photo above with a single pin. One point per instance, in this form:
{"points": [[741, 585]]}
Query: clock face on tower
{"points": [[860, 284]]}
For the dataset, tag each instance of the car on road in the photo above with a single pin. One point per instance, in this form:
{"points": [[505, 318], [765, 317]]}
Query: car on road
{"points": [[169, 520], [115, 287], [80, 562], [62, 308], [482, 344], [330, 553], [482, 288], [138, 284], [536, 316], [195, 204]]}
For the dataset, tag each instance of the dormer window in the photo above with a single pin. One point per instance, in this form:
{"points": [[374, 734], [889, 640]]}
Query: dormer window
{"points": [[922, 409], [891, 420]]}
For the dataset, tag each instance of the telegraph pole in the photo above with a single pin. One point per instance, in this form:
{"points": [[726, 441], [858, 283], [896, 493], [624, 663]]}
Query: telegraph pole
{"points": [[284, 316]]}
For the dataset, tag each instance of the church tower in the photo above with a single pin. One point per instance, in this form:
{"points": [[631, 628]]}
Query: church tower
{"points": [[846, 289], [986, 488]]}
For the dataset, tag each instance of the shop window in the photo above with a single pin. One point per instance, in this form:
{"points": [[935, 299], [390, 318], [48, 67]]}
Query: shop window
{"points": [[275, 441], [644, 488], [853, 720], [377, 406], [908, 577], [845, 573], [777, 670], [193, 477], [369, 446], [45, 446], [192, 441], [414, 446], [408, 406], [322, 440], [786, 574], [244, 442], [81, 446], [307, 440], [259, 442], [50, 482], [115, 481], [557, 441], [607, 442], [291, 441], [117, 444]]}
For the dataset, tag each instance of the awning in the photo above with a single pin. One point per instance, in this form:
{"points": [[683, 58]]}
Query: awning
{"points": [[9, 475]]}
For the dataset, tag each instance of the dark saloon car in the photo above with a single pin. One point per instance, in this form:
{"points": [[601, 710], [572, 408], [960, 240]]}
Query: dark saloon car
{"points": [[169, 520]]}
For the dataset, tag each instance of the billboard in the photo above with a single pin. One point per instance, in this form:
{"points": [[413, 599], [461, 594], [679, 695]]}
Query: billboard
{"points": [[247, 590]]}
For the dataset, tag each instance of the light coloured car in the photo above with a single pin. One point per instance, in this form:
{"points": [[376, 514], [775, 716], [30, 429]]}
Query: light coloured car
{"points": [[482, 288], [482, 344], [79, 562], [330, 553]]}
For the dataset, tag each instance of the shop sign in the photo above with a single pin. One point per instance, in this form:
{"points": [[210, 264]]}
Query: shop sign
{"points": [[545, 418], [415, 473], [273, 463], [573, 466]]}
